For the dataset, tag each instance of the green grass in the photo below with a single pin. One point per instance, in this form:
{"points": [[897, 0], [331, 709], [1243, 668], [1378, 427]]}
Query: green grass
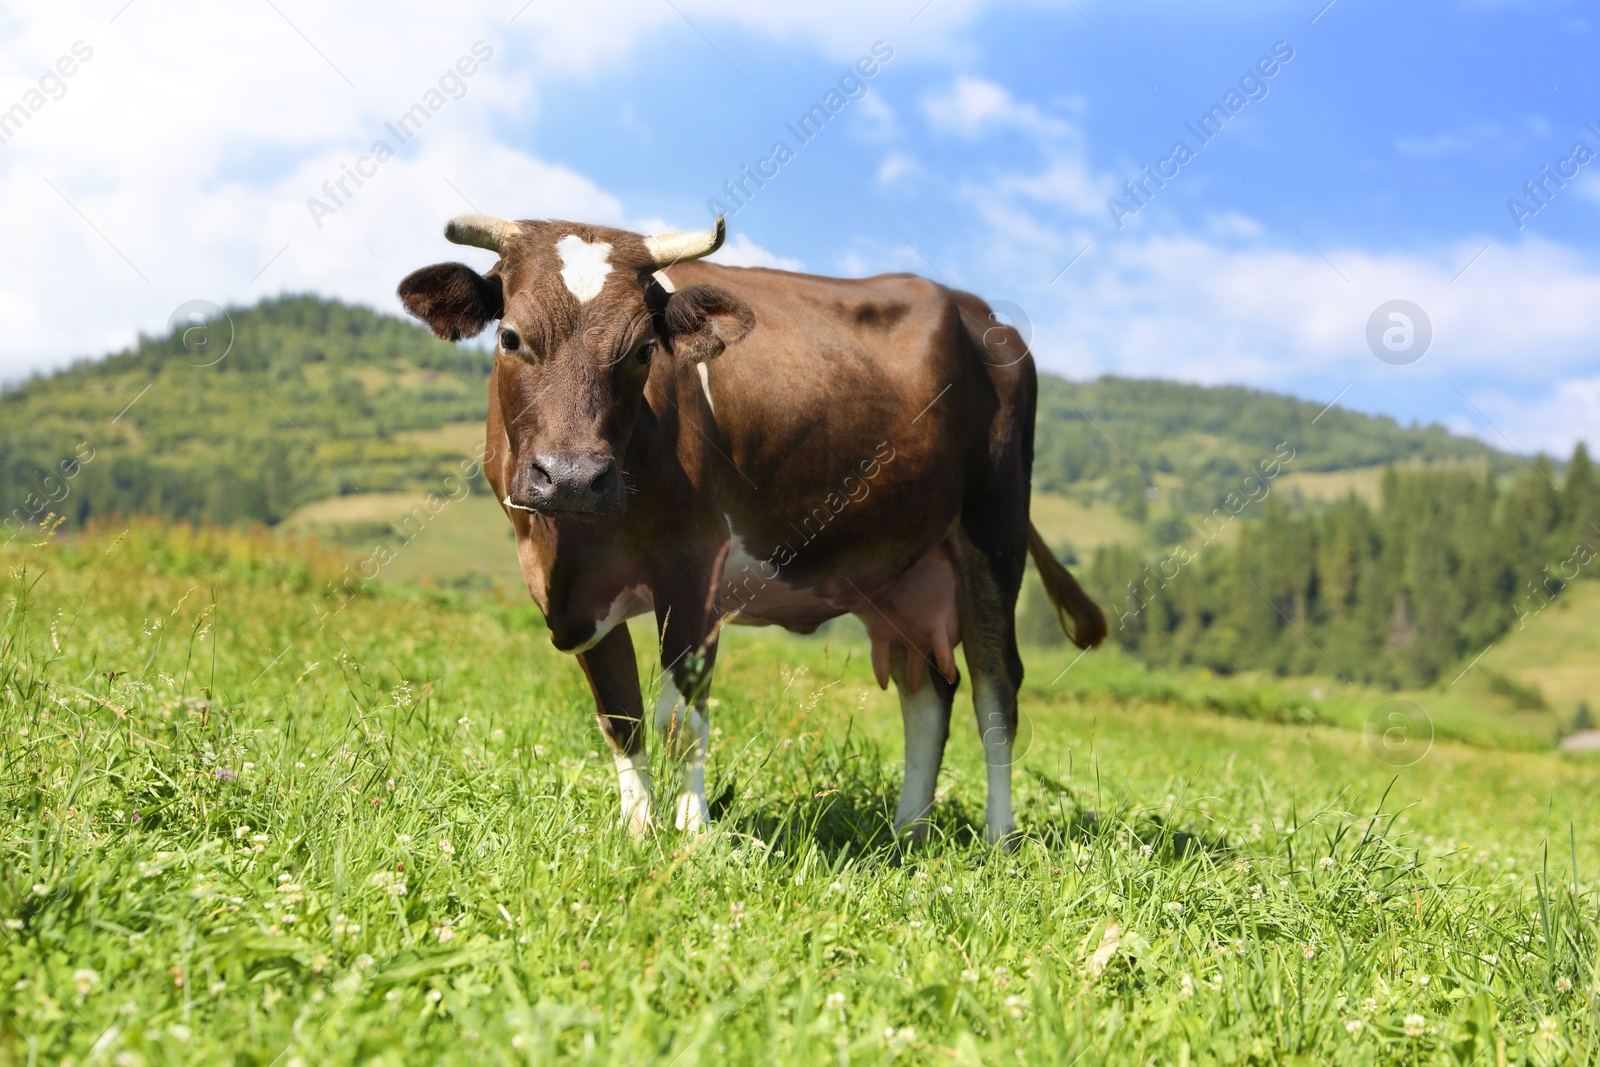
{"points": [[250, 821]]}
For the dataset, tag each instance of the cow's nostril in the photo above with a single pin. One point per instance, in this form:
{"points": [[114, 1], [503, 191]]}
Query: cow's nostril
{"points": [[604, 480], [538, 475]]}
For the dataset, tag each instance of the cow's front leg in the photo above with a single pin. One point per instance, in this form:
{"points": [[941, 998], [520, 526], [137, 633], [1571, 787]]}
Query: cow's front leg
{"points": [[688, 652], [614, 677]]}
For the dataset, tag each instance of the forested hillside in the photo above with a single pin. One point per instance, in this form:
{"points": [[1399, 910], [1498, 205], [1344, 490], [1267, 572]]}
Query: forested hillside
{"points": [[1400, 593], [316, 399], [313, 399]]}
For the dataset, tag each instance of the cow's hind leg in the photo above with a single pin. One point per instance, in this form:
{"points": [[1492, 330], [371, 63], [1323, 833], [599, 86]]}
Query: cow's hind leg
{"points": [[990, 581], [614, 677], [926, 717]]}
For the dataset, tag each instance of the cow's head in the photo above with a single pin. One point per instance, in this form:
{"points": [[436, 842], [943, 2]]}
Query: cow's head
{"points": [[582, 314]]}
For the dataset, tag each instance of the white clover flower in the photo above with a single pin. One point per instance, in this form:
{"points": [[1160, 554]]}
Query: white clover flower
{"points": [[1564, 984], [1174, 906], [1416, 1025], [84, 980], [835, 1002], [1354, 1027], [1326, 863], [1186, 986], [446, 847], [1549, 1030]]}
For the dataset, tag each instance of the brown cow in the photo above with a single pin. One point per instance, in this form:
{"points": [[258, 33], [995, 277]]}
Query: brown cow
{"points": [[717, 444]]}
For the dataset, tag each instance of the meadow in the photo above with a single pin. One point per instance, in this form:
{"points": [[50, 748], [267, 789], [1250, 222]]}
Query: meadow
{"points": [[254, 815]]}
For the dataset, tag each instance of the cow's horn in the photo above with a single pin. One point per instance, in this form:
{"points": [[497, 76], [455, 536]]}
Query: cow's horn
{"points": [[480, 231], [669, 248]]}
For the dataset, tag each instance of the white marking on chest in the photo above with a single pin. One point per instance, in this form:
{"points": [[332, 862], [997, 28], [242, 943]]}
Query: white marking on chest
{"points": [[625, 605], [584, 266]]}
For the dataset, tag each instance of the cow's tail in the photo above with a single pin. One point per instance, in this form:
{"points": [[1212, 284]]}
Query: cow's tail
{"points": [[1081, 617]]}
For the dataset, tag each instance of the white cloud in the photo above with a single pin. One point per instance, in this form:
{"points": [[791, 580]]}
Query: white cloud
{"points": [[895, 165], [740, 251], [1185, 307], [972, 107], [185, 148]]}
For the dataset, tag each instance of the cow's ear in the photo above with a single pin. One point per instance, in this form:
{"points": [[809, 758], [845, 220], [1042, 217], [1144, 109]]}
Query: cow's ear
{"points": [[453, 299], [702, 320]]}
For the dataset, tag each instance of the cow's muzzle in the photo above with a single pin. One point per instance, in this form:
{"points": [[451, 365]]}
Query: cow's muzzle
{"points": [[567, 482]]}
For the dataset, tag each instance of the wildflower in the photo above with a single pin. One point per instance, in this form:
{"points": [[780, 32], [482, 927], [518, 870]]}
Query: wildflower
{"points": [[921, 876], [836, 888], [1564, 984], [434, 996], [946, 890], [1548, 1030], [84, 980], [969, 976], [1002, 977], [1416, 1025], [1326, 863], [396, 889], [1257, 892], [1186, 986], [445, 935], [1309, 949], [180, 1033], [1175, 906], [835, 1002], [464, 722], [1147, 851], [1354, 1027], [446, 847], [1014, 1003], [1369, 1005], [225, 774], [1491, 959], [1372, 897]]}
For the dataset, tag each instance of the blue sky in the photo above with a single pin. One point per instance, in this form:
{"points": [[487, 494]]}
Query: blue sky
{"points": [[1376, 166]]}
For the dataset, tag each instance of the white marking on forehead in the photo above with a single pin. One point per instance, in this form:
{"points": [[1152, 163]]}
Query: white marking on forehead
{"points": [[584, 266]]}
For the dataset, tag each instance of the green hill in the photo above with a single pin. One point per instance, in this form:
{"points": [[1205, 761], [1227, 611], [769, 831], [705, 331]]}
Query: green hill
{"points": [[316, 399]]}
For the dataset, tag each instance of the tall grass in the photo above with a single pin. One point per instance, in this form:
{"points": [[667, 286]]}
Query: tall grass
{"points": [[255, 815]]}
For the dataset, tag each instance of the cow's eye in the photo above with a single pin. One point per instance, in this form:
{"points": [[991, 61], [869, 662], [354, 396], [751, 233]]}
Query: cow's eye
{"points": [[644, 352], [509, 341]]}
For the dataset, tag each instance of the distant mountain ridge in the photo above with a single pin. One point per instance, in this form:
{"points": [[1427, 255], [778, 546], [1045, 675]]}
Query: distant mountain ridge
{"points": [[316, 398]]}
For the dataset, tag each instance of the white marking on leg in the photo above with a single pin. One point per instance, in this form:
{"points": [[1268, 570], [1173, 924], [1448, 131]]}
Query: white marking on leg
{"points": [[926, 718], [990, 704], [633, 779], [687, 735], [584, 266]]}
